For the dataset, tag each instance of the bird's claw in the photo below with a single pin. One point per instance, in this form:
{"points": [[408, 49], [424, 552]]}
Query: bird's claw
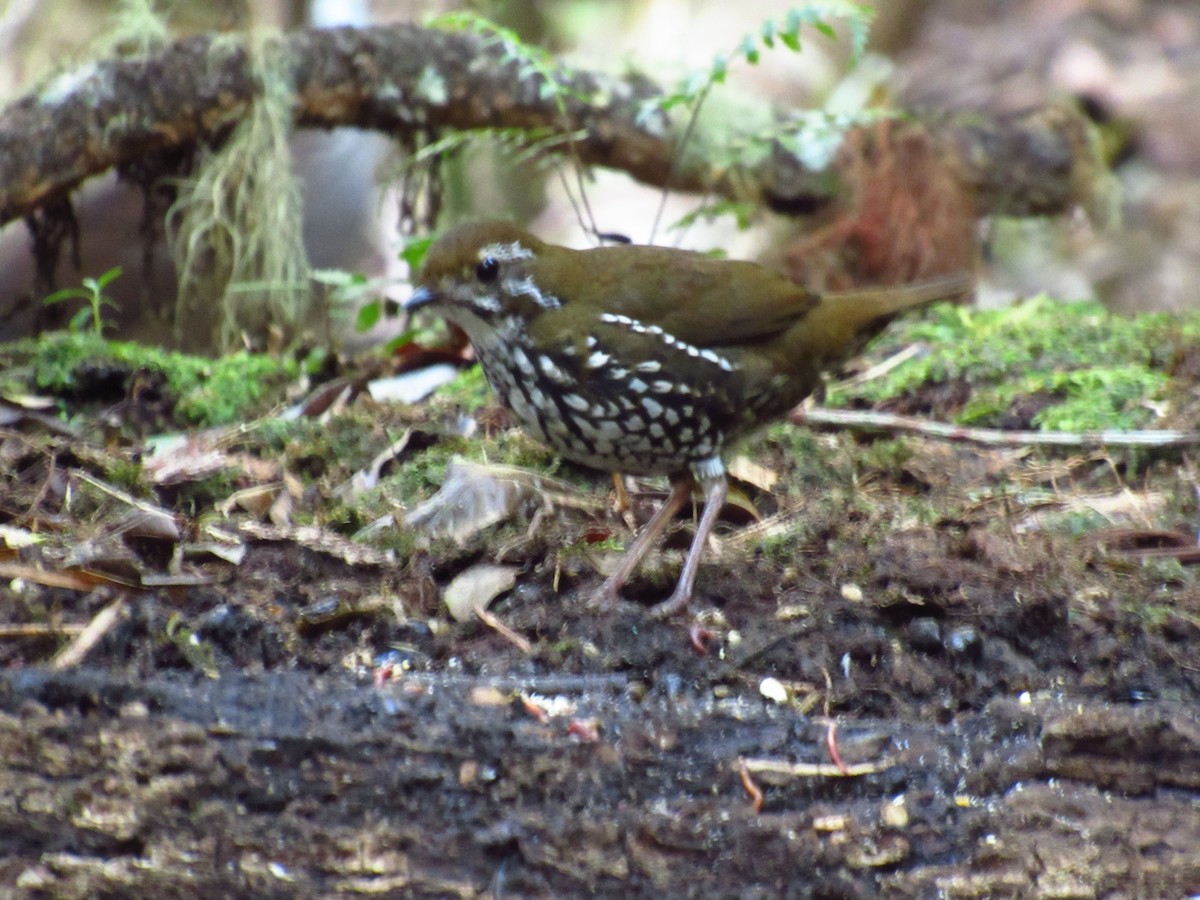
{"points": [[606, 597], [676, 603]]}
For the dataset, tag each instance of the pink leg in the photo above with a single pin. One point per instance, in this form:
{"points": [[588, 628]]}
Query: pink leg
{"points": [[680, 491], [714, 499]]}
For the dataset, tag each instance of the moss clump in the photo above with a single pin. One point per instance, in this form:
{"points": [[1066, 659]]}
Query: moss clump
{"points": [[421, 474], [205, 392], [195, 497], [1070, 366], [469, 392], [332, 448], [806, 461], [887, 456]]}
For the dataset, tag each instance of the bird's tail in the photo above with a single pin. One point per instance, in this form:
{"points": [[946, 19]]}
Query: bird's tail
{"points": [[845, 320], [863, 305]]}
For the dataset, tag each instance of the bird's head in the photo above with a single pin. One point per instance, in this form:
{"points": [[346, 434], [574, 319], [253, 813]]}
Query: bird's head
{"points": [[480, 273]]}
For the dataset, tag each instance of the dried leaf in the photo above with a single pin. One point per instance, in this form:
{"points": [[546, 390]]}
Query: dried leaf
{"points": [[367, 478], [745, 469], [255, 500], [475, 496], [475, 588], [146, 522], [412, 386], [232, 553]]}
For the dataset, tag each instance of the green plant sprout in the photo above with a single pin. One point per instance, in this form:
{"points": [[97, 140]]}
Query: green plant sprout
{"points": [[93, 292], [695, 87], [350, 290], [532, 62], [551, 78], [693, 90]]}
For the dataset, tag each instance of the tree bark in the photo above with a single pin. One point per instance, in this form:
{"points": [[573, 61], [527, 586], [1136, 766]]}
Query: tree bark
{"points": [[405, 81]]}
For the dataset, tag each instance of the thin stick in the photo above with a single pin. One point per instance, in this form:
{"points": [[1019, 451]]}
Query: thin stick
{"points": [[676, 156], [38, 629], [877, 421], [811, 770], [493, 621], [75, 652]]}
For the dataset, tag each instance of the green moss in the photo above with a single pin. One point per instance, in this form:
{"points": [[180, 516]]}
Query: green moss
{"points": [[205, 391], [126, 475], [337, 447], [810, 461], [781, 548], [400, 540], [887, 455], [469, 392], [513, 448], [195, 497], [1075, 366], [229, 389], [421, 474], [583, 549], [274, 435]]}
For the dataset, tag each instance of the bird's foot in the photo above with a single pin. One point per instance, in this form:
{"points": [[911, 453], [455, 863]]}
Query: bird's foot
{"points": [[676, 603], [606, 597]]}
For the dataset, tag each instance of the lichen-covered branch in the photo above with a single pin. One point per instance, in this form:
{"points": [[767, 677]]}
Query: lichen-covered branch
{"points": [[404, 80]]}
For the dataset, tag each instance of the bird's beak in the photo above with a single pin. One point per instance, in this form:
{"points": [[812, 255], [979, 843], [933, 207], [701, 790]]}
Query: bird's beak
{"points": [[422, 296]]}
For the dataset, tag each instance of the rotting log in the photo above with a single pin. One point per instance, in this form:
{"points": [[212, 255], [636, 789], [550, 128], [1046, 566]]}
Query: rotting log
{"points": [[289, 784]]}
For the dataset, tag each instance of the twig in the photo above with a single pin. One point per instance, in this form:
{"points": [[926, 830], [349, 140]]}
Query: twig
{"points": [[882, 368], [494, 622], [38, 629], [877, 421], [75, 652], [116, 493], [812, 770]]}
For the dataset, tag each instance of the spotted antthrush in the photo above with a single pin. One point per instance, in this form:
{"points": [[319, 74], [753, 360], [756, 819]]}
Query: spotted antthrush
{"points": [[646, 360]]}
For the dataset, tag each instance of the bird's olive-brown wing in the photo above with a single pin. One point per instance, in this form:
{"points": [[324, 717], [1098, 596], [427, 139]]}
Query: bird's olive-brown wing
{"points": [[701, 301]]}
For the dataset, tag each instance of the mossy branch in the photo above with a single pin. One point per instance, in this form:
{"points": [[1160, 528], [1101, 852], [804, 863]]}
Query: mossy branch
{"points": [[407, 81]]}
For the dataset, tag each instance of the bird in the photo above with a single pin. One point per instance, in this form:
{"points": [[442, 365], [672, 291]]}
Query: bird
{"points": [[647, 360]]}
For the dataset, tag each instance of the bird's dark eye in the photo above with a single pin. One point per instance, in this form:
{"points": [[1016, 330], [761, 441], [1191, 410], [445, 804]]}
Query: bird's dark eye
{"points": [[487, 270]]}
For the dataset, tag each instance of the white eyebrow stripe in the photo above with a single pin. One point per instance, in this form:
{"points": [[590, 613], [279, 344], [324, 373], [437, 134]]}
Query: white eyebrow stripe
{"points": [[505, 252]]}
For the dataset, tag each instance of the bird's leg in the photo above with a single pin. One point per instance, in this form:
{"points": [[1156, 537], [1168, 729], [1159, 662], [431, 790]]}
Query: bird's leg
{"points": [[622, 504], [714, 499], [681, 490]]}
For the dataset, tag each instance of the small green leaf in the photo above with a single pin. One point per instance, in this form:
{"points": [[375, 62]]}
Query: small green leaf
{"points": [[65, 294], [400, 341], [369, 315], [413, 252], [720, 68], [111, 275], [80, 320]]}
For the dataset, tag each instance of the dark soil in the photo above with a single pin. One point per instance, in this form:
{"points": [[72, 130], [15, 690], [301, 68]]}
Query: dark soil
{"points": [[951, 672], [976, 706]]}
